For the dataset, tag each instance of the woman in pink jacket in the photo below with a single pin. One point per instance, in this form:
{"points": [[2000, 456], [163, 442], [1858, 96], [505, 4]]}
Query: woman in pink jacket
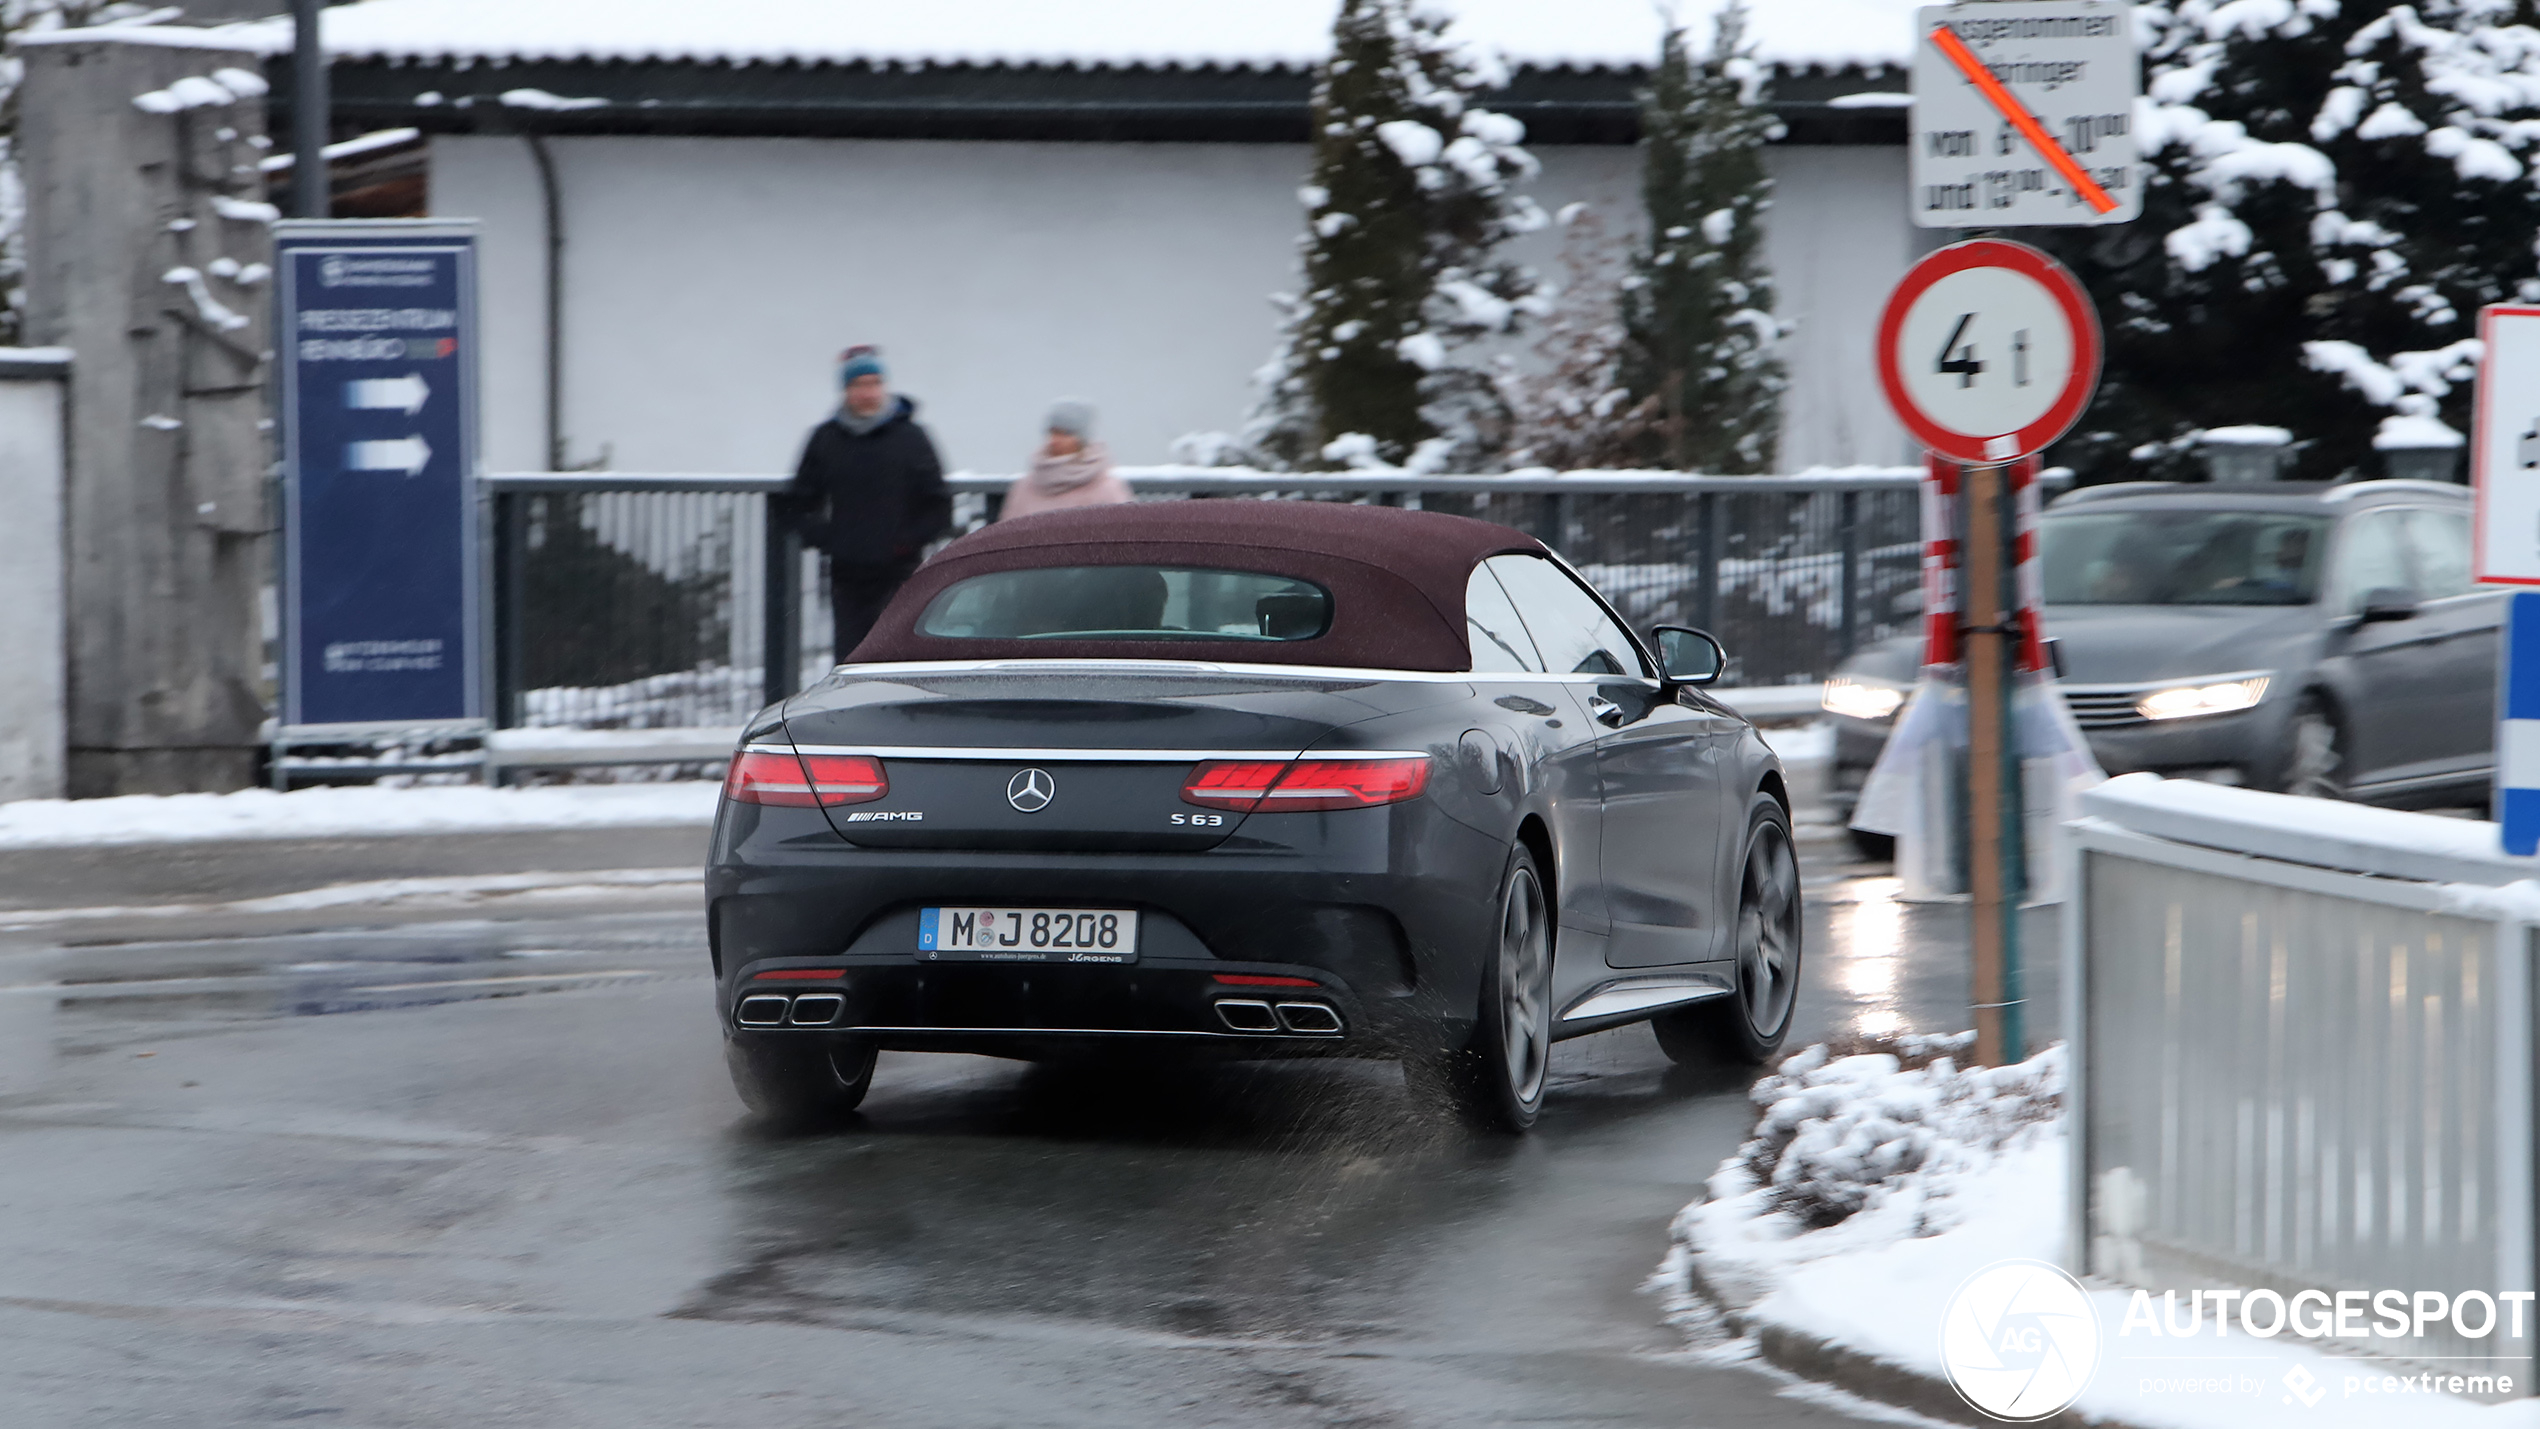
{"points": [[1071, 469]]}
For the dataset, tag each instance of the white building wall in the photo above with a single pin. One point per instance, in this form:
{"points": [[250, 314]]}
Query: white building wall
{"points": [[34, 733], [710, 284]]}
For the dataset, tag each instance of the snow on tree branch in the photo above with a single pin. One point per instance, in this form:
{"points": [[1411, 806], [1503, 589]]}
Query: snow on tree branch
{"points": [[2335, 188]]}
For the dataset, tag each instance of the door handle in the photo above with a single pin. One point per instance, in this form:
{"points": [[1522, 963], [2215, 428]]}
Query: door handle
{"points": [[1606, 711]]}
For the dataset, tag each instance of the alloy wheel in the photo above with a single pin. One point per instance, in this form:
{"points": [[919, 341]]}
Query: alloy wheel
{"points": [[1768, 930], [1525, 976]]}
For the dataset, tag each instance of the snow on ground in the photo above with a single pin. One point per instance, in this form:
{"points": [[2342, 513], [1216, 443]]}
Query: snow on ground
{"points": [[1258, 33], [349, 813], [707, 695], [1915, 1177]]}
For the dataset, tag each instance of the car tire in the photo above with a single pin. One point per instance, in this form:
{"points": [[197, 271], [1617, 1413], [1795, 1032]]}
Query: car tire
{"points": [[798, 1080], [2316, 765], [1495, 1082], [1748, 1026]]}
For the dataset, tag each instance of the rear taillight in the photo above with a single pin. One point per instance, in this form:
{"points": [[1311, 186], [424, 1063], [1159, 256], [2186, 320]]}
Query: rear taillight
{"points": [[806, 780], [1281, 785]]}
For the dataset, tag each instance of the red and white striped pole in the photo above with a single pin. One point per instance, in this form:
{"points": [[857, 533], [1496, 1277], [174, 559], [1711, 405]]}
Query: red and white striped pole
{"points": [[1940, 562], [2029, 578]]}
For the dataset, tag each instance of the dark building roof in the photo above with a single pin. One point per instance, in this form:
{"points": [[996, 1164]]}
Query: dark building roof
{"points": [[1852, 104]]}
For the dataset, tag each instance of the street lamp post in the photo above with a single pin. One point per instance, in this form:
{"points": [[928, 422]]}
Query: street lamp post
{"points": [[310, 186]]}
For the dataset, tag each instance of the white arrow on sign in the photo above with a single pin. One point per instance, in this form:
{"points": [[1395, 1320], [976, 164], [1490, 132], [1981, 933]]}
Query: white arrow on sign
{"points": [[398, 394], [406, 454]]}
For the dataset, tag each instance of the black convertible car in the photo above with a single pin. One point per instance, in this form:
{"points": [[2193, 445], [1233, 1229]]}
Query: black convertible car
{"points": [[1250, 779]]}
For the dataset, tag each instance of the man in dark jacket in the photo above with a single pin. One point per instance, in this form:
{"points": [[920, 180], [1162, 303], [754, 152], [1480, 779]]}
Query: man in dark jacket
{"points": [[869, 491]]}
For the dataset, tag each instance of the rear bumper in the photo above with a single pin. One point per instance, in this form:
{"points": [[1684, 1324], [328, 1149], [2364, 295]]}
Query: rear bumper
{"points": [[1055, 1009], [1378, 914]]}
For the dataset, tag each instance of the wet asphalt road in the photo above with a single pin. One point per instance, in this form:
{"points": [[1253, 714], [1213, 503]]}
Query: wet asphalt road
{"points": [[435, 1166]]}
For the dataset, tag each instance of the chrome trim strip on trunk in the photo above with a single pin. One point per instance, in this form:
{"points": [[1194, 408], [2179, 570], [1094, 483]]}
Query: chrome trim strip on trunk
{"points": [[992, 754], [1042, 1031], [882, 668]]}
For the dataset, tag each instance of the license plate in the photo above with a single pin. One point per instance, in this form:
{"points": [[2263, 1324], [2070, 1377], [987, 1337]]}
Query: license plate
{"points": [[1028, 935]]}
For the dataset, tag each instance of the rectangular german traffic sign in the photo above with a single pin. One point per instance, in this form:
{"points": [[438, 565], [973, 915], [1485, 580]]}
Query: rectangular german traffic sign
{"points": [[376, 329], [2024, 114], [2518, 727], [2504, 451]]}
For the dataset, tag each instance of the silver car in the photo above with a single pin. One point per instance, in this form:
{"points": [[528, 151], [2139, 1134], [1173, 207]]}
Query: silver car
{"points": [[2316, 639]]}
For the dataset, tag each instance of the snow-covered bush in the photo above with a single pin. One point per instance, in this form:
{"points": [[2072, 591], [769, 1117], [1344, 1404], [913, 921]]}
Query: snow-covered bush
{"points": [[1841, 1126], [1570, 409], [1407, 208], [2335, 188], [1700, 339]]}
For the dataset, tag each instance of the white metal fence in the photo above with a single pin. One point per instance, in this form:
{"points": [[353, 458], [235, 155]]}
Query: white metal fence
{"points": [[2302, 1054]]}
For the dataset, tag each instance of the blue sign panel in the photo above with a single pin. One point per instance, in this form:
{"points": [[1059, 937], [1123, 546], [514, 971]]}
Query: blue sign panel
{"points": [[2518, 726], [376, 334]]}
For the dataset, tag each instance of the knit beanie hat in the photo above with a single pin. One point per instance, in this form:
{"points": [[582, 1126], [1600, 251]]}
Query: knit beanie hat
{"points": [[1073, 417], [862, 360]]}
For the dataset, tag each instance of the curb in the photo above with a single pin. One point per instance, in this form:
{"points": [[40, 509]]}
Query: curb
{"points": [[1853, 1372], [1822, 1361]]}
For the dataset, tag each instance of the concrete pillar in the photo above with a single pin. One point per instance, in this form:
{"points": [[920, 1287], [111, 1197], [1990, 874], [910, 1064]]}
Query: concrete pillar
{"points": [[34, 724], [148, 250]]}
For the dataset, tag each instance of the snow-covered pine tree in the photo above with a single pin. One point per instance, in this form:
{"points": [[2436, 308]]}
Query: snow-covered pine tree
{"points": [[1408, 205], [2335, 189], [1700, 335]]}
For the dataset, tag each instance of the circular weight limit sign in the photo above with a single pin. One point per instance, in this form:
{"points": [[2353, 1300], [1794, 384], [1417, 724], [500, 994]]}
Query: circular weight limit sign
{"points": [[1989, 351]]}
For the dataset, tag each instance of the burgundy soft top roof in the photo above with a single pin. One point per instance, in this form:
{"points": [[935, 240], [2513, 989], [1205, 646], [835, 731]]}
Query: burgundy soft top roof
{"points": [[1396, 577]]}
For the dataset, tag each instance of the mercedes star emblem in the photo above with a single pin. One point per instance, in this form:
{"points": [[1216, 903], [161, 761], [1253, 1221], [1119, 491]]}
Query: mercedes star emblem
{"points": [[1031, 790]]}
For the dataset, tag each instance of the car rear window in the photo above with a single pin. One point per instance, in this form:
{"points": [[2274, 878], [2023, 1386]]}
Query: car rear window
{"points": [[2176, 557], [1129, 603]]}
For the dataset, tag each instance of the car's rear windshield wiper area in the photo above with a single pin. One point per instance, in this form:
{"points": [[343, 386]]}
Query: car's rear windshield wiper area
{"points": [[1129, 602]]}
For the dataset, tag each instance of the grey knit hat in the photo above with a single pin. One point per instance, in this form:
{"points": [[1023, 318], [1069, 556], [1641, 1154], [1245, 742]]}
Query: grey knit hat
{"points": [[1073, 417]]}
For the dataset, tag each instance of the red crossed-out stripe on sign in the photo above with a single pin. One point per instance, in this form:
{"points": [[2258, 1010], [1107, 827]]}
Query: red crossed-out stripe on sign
{"points": [[2000, 97]]}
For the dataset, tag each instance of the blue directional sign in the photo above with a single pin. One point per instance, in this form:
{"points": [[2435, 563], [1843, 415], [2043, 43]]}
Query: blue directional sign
{"points": [[2518, 726], [375, 331]]}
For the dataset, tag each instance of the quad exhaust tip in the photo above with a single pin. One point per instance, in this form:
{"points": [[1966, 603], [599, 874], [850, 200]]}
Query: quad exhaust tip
{"points": [[1309, 1017], [761, 1012], [817, 1009], [1246, 1015]]}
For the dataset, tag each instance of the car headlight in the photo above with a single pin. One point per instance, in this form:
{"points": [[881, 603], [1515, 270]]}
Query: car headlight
{"points": [[2188, 701], [1859, 697]]}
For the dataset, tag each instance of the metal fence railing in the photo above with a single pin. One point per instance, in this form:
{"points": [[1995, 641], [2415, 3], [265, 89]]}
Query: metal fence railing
{"points": [[2308, 1070], [647, 601]]}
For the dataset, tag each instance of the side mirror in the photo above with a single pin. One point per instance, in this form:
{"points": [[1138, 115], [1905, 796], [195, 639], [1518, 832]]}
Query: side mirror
{"points": [[1687, 656], [2388, 602]]}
